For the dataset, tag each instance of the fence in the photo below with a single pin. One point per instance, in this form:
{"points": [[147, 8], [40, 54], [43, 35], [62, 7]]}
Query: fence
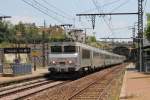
{"points": [[17, 69]]}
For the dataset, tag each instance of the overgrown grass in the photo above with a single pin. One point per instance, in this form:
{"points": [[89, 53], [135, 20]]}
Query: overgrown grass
{"points": [[5, 45]]}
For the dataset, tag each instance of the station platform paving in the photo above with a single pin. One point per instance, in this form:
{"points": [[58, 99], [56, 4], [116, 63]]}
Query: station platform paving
{"points": [[38, 73], [136, 85]]}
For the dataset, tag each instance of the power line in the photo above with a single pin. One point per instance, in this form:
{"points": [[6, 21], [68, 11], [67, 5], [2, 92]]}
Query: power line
{"points": [[122, 28], [41, 11], [49, 9], [104, 5], [145, 5], [122, 4], [64, 13], [102, 16], [110, 3], [85, 23]]}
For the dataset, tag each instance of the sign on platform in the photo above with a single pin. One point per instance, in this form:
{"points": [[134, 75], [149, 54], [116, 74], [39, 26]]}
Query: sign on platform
{"points": [[16, 50], [35, 53]]}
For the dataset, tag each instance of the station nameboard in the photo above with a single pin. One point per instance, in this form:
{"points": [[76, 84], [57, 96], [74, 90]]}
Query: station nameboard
{"points": [[17, 50]]}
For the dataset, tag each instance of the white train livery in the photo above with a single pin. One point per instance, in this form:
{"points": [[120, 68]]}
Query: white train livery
{"points": [[75, 56]]}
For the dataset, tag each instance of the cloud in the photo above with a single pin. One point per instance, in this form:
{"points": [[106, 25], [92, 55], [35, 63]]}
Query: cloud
{"points": [[24, 19]]}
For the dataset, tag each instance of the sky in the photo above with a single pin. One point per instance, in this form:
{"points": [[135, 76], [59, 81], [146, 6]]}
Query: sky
{"points": [[64, 12]]}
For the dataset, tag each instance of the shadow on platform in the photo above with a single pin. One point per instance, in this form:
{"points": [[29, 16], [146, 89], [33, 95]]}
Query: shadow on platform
{"points": [[140, 77], [131, 69]]}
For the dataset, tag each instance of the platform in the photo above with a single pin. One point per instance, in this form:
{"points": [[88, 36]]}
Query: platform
{"points": [[136, 85], [38, 73]]}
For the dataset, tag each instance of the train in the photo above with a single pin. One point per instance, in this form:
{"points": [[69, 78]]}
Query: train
{"points": [[79, 57]]}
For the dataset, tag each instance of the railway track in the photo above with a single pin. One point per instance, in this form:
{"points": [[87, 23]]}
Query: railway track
{"points": [[22, 90], [98, 89], [96, 86]]}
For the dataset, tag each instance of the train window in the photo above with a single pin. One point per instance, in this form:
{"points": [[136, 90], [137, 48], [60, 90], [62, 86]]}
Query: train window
{"points": [[56, 49], [95, 54], [107, 56], [85, 53], [70, 49], [102, 56]]}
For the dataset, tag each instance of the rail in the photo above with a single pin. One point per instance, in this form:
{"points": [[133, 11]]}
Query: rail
{"points": [[23, 91], [101, 78]]}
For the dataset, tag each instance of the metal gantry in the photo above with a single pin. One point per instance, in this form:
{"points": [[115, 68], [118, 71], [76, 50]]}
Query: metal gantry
{"points": [[93, 16], [140, 28], [43, 45]]}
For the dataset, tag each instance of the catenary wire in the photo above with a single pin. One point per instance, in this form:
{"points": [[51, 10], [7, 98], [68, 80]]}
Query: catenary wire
{"points": [[122, 4], [60, 10], [49, 9], [41, 11]]}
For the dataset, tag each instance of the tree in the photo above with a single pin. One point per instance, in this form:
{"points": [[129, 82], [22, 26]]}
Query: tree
{"points": [[147, 31], [56, 33], [91, 39], [6, 31], [29, 32]]}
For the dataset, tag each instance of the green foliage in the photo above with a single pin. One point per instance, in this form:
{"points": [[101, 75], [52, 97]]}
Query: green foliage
{"points": [[147, 31], [5, 45], [21, 32], [60, 37], [148, 19], [6, 30], [30, 33], [93, 42], [91, 39]]}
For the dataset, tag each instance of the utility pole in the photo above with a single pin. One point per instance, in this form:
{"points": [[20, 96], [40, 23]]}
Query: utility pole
{"points": [[140, 34], [43, 44], [133, 35], [86, 33]]}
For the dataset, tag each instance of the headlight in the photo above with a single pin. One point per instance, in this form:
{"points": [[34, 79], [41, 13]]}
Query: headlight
{"points": [[70, 62], [53, 62]]}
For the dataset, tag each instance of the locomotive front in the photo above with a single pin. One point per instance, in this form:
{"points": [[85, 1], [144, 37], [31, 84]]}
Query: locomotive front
{"points": [[63, 58]]}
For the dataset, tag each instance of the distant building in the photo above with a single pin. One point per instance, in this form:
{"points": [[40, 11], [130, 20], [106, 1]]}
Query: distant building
{"points": [[76, 35], [56, 32]]}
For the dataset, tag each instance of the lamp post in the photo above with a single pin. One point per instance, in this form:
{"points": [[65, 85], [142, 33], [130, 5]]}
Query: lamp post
{"points": [[19, 34]]}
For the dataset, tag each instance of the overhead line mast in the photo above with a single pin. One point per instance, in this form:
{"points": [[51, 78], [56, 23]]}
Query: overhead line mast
{"points": [[140, 28], [140, 34]]}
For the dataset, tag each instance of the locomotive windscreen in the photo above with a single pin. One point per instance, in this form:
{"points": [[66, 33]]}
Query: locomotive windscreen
{"points": [[56, 49], [69, 49]]}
